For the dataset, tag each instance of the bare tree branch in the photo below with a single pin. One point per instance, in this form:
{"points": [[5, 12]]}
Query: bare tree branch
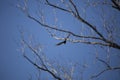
{"points": [[98, 39], [43, 65], [111, 44], [106, 64], [79, 17], [116, 4], [61, 30], [35, 53], [107, 69], [41, 68], [55, 6]]}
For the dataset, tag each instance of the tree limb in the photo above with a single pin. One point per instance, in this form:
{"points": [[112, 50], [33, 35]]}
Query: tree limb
{"points": [[111, 44], [107, 69], [41, 68], [116, 4]]}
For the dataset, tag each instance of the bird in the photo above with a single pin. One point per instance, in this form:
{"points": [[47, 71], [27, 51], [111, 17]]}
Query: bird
{"points": [[63, 42], [60, 43]]}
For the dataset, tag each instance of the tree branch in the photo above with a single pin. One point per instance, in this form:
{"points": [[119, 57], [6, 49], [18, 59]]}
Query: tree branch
{"points": [[43, 65], [111, 44], [34, 51], [78, 17], [41, 68], [107, 69], [116, 4], [55, 6], [61, 30]]}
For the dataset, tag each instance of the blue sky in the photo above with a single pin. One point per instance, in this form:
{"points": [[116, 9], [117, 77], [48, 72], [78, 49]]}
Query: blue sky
{"points": [[12, 64]]}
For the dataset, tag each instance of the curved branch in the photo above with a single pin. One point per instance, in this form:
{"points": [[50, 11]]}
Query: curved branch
{"points": [[61, 30], [43, 65], [116, 4], [41, 68], [55, 6], [106, 64], [99, 73], [110, 44], [108, 69], [35, 53], [77, 16], [101, 37]]}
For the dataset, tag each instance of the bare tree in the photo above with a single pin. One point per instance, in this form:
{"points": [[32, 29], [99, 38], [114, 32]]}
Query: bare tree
{"points": [[103, 34]]}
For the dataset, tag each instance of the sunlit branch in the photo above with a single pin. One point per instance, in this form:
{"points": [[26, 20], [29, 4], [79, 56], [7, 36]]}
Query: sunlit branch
{"points": [[33, 50], [41, 68], [79, 41], [43, 65], [99, 39], [111, 44]]}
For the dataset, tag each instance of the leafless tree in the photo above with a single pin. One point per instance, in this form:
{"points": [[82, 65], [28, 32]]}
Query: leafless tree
{"points": [[105, 35]]}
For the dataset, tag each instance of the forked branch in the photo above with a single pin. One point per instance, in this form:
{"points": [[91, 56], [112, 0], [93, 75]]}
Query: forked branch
{"points": [[108, 68]]}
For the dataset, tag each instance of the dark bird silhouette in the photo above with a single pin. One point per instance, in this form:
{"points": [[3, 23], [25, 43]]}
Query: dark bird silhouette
{"points": [[63, 42]]}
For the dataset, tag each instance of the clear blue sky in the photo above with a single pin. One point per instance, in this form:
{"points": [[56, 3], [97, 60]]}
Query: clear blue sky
{"points": [[12, 64]]}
